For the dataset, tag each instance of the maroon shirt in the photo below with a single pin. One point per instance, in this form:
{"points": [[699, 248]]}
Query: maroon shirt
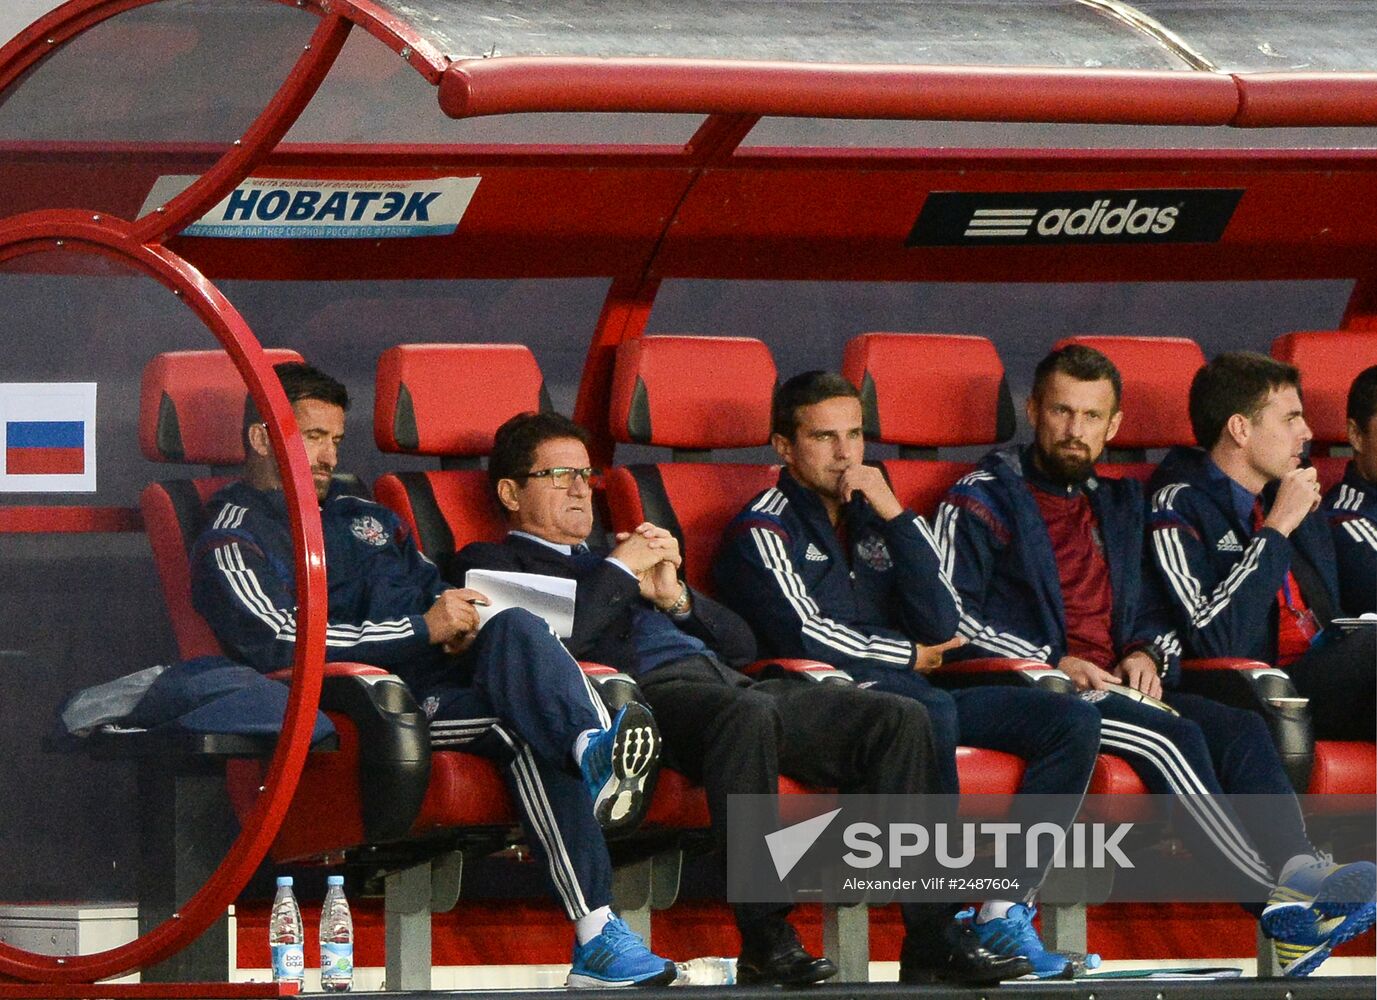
{"points": [[1084, 573]]}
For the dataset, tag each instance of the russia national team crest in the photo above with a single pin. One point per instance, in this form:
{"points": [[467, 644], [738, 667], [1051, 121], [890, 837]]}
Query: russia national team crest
{"points": [[874, 553], [367, 528]]}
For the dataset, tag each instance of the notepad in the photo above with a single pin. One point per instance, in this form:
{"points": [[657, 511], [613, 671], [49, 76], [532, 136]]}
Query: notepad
{"points": [[550, 597]]}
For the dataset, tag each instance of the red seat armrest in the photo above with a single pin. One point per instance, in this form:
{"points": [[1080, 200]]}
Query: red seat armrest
{"points": [[340, 669], [1225, 663], [597, 669], [813, 670]]}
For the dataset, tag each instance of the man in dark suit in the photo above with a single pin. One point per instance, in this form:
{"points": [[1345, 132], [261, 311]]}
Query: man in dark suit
{"points": [[736, 736]]}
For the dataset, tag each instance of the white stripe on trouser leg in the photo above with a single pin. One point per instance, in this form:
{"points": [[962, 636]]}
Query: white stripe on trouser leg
{"points": [[532, 792], [599, 706], [1160, 752]]}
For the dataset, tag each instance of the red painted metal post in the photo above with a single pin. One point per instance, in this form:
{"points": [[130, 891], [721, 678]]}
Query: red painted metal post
{"points": [[627, 307], [1361, 313], [87, 233], [623, 317]]}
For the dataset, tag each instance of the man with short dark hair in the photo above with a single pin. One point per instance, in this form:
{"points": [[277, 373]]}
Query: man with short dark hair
{"points": [[1351, 506], [1248, 565], [510, 693], [1045, 553], [828, 565], [633, 612]]}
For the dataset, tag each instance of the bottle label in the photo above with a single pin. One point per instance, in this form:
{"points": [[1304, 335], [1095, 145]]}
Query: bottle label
{"points": [[289, 962], [336, 960]]}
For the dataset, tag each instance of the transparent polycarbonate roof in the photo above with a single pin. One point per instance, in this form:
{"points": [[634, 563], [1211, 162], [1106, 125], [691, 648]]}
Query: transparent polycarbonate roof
{"points": [[1228, 35]]}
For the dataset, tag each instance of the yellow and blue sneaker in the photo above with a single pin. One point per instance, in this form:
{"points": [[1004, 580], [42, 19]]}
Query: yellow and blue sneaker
{"points": [[1316, 907]]}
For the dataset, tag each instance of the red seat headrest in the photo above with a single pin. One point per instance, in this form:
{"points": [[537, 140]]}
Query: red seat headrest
{"points": [[191, 407], [1329, 361], [693, 392], [449, 399], [930, 390], [1157, 374]]}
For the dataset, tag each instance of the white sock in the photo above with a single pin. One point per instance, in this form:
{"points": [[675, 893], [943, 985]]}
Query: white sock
{"points": [[993, 909], [1295, 864], [580, 745], [588, 927]]}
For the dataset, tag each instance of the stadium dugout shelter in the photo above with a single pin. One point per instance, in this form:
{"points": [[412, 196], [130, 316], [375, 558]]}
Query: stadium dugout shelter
{"points": [[210, 146]]}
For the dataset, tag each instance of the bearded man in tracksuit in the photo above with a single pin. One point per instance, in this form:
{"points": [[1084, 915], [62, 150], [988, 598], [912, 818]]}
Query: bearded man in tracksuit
{"points": [[1242, 550], [1047, 556], [829, 566], [1351, 506], [510, 692]]}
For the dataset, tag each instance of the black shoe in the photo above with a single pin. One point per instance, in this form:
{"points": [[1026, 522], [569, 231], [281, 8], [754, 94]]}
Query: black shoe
{"points": [[774, 955], [966, 962]]}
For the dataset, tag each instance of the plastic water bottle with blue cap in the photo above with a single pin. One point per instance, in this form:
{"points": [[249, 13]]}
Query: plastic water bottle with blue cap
{"points": [[336, 939], [285, 937]]}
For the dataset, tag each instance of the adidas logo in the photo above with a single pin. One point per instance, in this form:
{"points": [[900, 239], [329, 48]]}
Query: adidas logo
{"points": [[815, 554], [1229, 543], [1097, 219]]}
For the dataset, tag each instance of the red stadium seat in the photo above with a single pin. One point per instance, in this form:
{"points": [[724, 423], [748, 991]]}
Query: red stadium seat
{"points": [[191, 412], [965, 378], [424, 406], [1156, 373], [447, 401], [697, 394], [1329, 361]]}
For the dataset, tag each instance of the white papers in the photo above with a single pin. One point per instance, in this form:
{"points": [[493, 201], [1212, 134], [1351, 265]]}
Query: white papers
{"points": [[550, 597]]}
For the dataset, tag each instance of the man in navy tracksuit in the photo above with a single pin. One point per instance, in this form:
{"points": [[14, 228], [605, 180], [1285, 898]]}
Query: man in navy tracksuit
{"points": [[731, 734], [511, 692], [1047, 556], [829, 566], [1351, 506], [1242, 552]]}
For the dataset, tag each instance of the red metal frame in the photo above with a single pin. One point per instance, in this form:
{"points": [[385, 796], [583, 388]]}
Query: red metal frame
{"points": [[74, 520], [682, 233], [511, 84], [81, 232], [145, 991]]}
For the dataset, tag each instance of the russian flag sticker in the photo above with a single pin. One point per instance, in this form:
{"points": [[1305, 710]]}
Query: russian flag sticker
{"points": [[49, 437], [45, 447]]}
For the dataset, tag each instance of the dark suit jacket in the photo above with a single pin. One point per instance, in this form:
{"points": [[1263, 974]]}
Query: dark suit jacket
{"points": [[603, 604]]}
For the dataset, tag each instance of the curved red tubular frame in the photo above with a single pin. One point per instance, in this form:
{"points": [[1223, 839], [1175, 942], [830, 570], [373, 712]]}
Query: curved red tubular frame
{"points": [[82, 232], [60, 25], [259, 138], [834, 90]]}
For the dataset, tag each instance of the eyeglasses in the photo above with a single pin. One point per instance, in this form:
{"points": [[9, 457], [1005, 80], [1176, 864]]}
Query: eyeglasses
{"points": [[562, 476]]}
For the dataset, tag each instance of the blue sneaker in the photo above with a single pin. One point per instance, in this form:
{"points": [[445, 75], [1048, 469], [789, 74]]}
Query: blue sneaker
{"points": [[1319, 906], [1014, 934], [617, 957], [619, 768]]}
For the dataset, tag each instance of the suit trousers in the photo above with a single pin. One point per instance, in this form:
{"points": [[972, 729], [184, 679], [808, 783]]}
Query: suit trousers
{"points": [[736, 737]]}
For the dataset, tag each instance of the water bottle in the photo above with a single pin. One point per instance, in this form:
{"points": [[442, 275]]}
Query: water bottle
{"points": [[709, 971], [336, 939], [285, 937]]}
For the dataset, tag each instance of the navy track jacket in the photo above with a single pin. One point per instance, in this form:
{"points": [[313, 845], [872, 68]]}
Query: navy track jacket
{"points": [[1220, 577], [243, 582], [782, 568], [1351, 507], [999, 555]]}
